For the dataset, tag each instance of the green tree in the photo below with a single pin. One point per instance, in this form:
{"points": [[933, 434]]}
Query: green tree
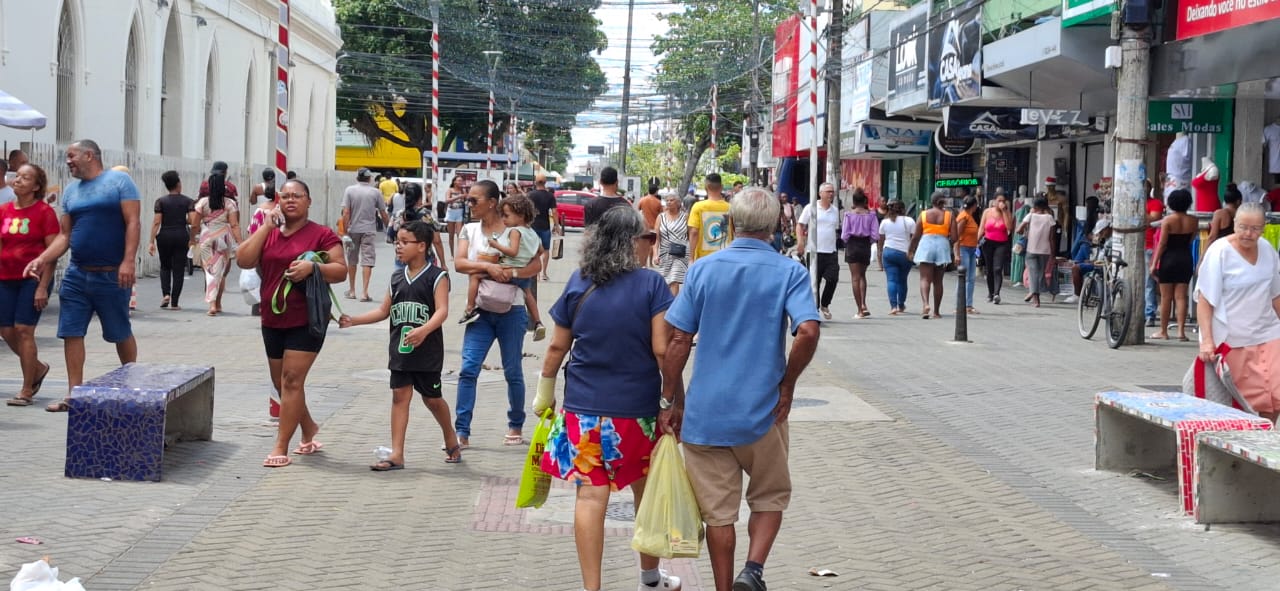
{"points": [[557, 141], [546, 66], [710, 42]]}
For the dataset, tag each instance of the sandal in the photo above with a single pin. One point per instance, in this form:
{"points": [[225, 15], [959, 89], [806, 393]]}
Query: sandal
{"points": [[20, 400], [386, 466], [59, 406], [35, 385], [308, 447], [453, 455], [971, 310], [164, 303], [276, 462], [511, 440]]}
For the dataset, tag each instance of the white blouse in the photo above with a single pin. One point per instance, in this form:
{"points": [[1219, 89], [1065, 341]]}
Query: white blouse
{"points": [[1241, 293]]}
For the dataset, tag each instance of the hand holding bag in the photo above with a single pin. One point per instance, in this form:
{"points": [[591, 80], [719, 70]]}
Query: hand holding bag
{"points": [[668, 523]]}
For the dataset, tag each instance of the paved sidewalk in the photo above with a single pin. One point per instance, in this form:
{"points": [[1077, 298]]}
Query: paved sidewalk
{"points": [[918, 464]]}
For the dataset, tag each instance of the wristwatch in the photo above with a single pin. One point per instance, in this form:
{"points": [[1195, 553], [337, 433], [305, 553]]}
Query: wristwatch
{"points": [[664, 403]]}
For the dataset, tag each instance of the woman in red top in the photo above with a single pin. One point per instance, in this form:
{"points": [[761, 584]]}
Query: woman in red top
{"points": [[291, 349], [27, 226]]}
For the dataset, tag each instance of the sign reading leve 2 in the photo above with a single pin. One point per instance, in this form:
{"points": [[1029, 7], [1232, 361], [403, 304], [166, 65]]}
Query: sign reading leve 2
{"points": [[1200, 17], [1175, 116]]}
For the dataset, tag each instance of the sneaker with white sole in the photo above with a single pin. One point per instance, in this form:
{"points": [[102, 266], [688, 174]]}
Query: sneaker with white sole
{"points": [[469, 317], [666, 582], [1071, 299], [539, 332]]}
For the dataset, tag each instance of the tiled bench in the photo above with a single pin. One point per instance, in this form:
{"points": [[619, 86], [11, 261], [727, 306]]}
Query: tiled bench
{"points": [[1237, 476], [120, 422], [1156, 430]]}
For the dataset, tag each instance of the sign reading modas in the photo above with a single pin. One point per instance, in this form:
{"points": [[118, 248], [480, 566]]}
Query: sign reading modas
{"points": [[1200, 17], [1182, 116]]}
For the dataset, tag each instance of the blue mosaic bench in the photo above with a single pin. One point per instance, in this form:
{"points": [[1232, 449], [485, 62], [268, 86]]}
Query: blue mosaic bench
{"points": [[1157, 430], [1237, 475], [120, 422]]}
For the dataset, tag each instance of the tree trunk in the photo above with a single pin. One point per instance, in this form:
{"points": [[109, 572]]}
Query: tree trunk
{"points": [[691, 165]]}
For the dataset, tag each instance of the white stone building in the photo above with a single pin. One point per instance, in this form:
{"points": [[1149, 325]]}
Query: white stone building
{"points": [[189, 80]]}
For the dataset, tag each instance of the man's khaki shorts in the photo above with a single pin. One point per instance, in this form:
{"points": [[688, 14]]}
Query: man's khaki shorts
{"points": [[361, 250], [716, 475]]}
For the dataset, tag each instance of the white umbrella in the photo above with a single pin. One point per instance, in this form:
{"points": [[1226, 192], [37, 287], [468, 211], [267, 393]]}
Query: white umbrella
{"points": [[14, 113]]}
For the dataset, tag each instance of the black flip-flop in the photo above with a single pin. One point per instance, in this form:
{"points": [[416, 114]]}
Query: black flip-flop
{"points": [[366, 299], [453, 455], [386, 466], [35, 386], [19, 401]]}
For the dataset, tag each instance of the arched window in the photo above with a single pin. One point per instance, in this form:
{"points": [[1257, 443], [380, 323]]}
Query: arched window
{"points": [[68, 65], [171, 90], [210, 90], [131, 91], [250, 116]]}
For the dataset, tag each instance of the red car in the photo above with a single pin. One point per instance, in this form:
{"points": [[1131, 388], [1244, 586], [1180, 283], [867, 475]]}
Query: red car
{"points": [[569, 205]]}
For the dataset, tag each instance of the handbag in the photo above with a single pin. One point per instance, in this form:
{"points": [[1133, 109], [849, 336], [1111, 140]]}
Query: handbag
{"points": [[1216, 384], [557, 248], [494, 296], [678, 250], [320, 296]]}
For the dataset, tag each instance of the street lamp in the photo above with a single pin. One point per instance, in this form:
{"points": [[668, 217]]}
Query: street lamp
{"points": [[492, 57], [715, 98]]}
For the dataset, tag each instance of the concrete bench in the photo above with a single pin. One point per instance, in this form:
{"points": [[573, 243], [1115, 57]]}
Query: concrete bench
{"points": [[119, 423], [1157, 430], [1237, 474]]}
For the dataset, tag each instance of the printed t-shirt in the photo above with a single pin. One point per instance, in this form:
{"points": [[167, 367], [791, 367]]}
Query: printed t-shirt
{"points": [[97, 222], [612, 371], [742, 357], [711, 219], [22, 234], [413, 302], [1241, 293], [365, 204], [277, 254]]}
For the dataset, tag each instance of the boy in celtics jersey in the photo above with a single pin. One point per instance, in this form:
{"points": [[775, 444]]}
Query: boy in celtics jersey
{"points": [[418, 305]]}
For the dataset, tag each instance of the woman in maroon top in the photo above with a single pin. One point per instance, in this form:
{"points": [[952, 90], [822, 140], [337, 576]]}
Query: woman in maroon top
{"points": [[27, 226], [274, 249]]}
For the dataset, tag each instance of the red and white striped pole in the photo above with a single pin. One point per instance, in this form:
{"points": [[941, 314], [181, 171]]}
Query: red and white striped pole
{"points": [[715, 113], [282, 92], [488, 157], [813, 148], [436, 183], [511, 132]]}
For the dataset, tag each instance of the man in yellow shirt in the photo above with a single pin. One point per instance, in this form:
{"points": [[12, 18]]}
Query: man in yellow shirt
{"points": [[389, 188], [709, 229]]}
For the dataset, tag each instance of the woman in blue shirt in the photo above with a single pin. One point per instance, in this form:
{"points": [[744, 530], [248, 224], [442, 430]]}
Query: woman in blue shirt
{"points": [[612, 316]]}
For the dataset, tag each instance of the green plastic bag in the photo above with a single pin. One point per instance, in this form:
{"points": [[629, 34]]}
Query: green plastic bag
{"points": [[534, 483], [668, 523]]}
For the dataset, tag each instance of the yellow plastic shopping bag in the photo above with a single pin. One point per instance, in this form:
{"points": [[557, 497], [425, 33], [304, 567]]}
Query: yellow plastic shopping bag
{"points": [[668, 523], [534, 483]]}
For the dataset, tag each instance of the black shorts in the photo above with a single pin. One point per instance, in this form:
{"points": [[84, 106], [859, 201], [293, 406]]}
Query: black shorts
{"points": [[427, 383], [858, 250], [298, 338]]}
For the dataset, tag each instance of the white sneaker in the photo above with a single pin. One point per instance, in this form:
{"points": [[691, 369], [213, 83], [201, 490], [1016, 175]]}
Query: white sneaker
{"points": [[1071, 299], [666, 583]]}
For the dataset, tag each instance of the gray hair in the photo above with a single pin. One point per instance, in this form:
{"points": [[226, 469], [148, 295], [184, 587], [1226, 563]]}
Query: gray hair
{"points": [[825, 186], [91, 147], [609, 249], [754, 210], [1251, 208]]}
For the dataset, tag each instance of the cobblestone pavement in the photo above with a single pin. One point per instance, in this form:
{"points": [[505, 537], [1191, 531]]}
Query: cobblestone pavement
{"points": [[918, 464]]}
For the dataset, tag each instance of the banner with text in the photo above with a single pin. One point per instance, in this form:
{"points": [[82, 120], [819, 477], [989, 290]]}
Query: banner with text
{"points": [[955, 56], [908, 77], [1200, 17]]}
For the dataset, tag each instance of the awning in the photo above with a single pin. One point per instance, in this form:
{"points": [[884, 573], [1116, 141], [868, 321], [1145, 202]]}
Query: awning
{"points": [[1054, 67], [883, 139], [14, 113]]}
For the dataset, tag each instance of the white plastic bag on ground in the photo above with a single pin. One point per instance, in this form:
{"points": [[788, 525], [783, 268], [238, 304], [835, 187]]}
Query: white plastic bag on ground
{"points": [[39, 576], [250, 284]]}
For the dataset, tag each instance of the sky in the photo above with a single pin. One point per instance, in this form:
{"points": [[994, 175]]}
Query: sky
{"points": [[593, 127]]}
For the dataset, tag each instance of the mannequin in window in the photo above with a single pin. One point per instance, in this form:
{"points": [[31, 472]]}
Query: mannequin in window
{"points": [[1177, 165], [1271, 139], [1205, 186]]}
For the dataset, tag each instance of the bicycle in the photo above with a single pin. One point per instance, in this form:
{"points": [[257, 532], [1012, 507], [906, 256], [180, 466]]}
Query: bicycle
{"points": [[1103, 292]]}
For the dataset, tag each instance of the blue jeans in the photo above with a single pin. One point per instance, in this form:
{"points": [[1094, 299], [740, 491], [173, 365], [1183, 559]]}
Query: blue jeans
{"points": [[1151, 293], [508, 329], [969, 259], [896, 269]]}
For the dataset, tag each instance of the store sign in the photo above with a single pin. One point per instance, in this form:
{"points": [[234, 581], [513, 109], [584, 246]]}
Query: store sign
{"points": [[1075, 12], [955, 57], [1174, 116], [956, 183], [1054, 117], [990, 123], [887, 137], [907, 72], [1200, 17]]}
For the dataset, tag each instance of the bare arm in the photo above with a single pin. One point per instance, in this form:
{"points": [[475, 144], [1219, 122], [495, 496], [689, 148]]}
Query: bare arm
{"points": [[557, 349], [346, 219], [1157, 252], [438, 244], [250, 251], [1204, 312], [155, 229], [127, 273], [660, 334], [54, 249], [916, 233], [1215, 223], [673, 364], [233, 217], [513, 246], [802, 350], [46, 277], [371, 317]]}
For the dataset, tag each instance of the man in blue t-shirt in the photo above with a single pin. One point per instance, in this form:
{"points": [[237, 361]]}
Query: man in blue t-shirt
{"points": [[734, 419], [101, 226]]}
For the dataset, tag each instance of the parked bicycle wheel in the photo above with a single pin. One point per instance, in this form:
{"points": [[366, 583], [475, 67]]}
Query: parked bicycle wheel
{"points": [[1119, 314], [1089, 307]]}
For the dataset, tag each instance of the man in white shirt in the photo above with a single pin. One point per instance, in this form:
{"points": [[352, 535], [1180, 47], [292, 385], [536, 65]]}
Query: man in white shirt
{"points": [[6, 192], [827, 217]]}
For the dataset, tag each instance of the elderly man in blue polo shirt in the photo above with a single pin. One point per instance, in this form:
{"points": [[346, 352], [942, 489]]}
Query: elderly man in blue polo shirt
{"points": [[734, 419]]}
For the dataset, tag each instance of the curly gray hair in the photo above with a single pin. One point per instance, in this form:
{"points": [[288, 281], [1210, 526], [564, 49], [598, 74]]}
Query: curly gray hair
{"points": [[609, 248]]}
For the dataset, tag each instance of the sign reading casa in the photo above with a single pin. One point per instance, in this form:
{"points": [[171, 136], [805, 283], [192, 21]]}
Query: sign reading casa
{"points": [[1200, 17], [1174, 116]]}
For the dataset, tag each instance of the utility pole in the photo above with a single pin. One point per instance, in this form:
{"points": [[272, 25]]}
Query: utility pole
{"points": [[755, 127], [1131, 150], [626, 94], [835, 33]]}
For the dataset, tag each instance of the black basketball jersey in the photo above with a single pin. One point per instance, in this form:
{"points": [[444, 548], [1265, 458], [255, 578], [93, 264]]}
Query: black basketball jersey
{"points": [[413, 301]]}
